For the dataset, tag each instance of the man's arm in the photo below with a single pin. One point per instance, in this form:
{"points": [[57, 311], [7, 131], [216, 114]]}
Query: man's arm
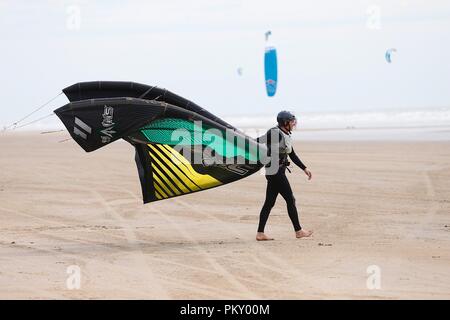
{"points": [[295, 159], [299, 163]]}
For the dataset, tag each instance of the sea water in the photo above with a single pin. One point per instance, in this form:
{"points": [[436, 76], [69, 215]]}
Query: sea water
{"points": [[402, 124]]}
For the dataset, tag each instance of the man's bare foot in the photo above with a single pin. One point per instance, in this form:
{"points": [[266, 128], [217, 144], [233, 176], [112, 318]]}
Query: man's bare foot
{"points": [[303, 233], [260, 236]]}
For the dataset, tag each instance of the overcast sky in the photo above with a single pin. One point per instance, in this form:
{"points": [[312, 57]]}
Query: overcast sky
{"points": [[331, 53]]}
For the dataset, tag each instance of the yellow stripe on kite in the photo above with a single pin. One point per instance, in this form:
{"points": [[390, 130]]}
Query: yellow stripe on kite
{"points": [[159, 190], [169, 183], [163, 185], [179, 160], [181, 168], [204, 180], [177, 171], [175, 180]]}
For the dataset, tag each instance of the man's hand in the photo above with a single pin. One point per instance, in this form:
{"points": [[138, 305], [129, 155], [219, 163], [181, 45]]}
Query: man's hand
{"points": [[308, 173]]}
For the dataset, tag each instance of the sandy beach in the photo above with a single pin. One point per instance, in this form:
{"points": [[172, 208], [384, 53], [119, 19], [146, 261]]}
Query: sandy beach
{"points": [[382, 205]]}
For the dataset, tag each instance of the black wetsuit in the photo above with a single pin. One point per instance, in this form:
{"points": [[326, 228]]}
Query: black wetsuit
{"points": [[279, 184]]}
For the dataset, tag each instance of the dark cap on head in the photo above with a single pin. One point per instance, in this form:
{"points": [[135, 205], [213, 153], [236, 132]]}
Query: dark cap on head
{"points": [[284, 116]]}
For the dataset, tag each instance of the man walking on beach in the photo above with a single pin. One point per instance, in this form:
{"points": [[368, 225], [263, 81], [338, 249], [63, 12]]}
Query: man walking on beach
{"points": [[279, 145]]}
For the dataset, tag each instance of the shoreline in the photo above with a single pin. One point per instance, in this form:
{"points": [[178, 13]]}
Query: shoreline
{"points": [[420, 133]]}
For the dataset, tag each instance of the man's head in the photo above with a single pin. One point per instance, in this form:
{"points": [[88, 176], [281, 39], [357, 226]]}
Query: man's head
{"points": [[286, 120]]}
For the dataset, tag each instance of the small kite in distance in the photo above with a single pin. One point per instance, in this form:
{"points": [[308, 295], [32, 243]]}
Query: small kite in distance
{"points": [[388, 54]]}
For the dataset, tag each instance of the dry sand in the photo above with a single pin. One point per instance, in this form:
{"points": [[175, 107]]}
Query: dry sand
{"points": [[380, 203]]}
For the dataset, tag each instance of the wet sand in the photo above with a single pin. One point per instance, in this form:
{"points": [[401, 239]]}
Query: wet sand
{"points": [[382, 204]]}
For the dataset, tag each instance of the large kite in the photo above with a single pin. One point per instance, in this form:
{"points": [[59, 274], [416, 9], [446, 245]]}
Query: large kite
{"points": [[180, 147]]}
